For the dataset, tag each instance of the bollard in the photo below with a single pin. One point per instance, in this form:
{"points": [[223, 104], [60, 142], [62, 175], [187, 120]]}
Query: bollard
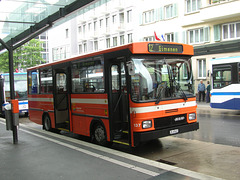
{"points": [[8, 117], [12, 118], [15, 112]]}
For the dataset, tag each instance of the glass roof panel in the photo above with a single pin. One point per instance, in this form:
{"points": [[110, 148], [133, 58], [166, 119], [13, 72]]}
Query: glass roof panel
{"points": [[17, 16]]}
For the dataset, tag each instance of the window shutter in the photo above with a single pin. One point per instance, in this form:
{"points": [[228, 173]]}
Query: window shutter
{"points": [[157, 14], [176, 37], [217, 32], [199, 4], [184, 39], [175, 10], [206, 34], [161, 13]]}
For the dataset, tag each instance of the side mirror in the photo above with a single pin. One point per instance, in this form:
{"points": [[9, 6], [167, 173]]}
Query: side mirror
{"points": [[131, 68]]}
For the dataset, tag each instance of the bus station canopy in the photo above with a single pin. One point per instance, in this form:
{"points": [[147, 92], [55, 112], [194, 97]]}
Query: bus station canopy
{"points": [[22, 20]]}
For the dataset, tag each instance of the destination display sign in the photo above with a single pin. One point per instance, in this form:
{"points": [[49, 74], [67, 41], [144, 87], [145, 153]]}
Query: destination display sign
{"points": [[165, 48]]}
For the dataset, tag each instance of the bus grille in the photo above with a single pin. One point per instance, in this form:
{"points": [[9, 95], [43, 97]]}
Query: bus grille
{"points": [[170, 121]]}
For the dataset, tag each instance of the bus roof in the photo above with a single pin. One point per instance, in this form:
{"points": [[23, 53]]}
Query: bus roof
{"points": [[224, 60], [135, 48]]}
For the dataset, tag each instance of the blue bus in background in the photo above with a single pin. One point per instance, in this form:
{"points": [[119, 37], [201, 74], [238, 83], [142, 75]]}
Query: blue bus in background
{"points": [[225, 93], [20, 87]]}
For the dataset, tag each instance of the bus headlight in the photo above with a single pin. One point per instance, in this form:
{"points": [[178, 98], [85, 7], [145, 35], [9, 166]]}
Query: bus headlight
{"points": [[146, 124], [192, 116]]}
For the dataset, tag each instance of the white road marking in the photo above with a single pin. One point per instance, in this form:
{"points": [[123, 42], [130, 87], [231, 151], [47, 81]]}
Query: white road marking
{"points": [[152, 163]]}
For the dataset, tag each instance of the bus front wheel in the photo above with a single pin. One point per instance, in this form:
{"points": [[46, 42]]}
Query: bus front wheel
{"points": [[99, 135], [47, 123]]}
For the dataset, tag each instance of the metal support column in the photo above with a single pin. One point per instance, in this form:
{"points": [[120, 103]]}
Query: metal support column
{"points": [[12, 91]]}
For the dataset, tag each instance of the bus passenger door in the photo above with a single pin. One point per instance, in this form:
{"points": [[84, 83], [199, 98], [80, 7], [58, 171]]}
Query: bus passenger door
{"points": [[119, 103], [61, 99]]}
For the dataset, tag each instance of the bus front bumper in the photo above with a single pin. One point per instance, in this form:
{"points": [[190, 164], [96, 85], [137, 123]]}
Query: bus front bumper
{"points": [[150, 135]]}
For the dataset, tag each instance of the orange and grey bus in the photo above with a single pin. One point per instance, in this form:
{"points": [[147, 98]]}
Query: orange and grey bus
{"points": [[127, 94]]}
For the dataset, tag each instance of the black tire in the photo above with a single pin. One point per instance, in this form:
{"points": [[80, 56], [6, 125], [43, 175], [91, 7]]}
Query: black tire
{"points": [[47, 123], [99, 135]]}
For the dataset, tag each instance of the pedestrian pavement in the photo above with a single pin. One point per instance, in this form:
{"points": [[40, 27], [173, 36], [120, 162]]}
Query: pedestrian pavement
{"points": [[44, 155]]}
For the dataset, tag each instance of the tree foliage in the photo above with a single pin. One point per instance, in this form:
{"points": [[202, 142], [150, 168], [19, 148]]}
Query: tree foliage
{"points": [[27, 55]]}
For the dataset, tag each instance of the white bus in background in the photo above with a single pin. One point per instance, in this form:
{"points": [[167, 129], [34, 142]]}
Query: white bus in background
{"points": [[225, 93], [20, 87]]}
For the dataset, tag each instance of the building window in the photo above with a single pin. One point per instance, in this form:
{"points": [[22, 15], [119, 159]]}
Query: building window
{"points": [[95, 45], [84, 29], [130, 38], [231, 31], [79, 29], [121, 18], [107, 24], [169, 11], [170, 37], [148, 17], [114, 41], [108, 43], [114, 19], [149, 38], [80, 48], [85, 47], [61, 53], [192, 5], [101, 23], [196, 36], [122, 40], [107, 21], [95, 25], [201, 68], [89, 26], [67, 33], [215, 1], [129, 16]]}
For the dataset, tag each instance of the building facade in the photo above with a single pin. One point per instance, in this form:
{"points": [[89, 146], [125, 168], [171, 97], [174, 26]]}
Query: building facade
{"points": [[211, 26]]}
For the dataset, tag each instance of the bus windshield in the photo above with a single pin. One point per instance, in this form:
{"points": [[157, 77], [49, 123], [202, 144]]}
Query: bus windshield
{"points": [[20, 87], [157, 79]]}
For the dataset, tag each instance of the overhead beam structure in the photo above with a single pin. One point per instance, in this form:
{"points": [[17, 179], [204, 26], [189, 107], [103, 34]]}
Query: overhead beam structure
{"points": [[67, 10], [29, 34]]}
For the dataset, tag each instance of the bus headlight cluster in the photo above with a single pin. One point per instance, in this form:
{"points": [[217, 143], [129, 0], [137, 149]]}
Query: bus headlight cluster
{"points": [[192, 116], [146, 124]]}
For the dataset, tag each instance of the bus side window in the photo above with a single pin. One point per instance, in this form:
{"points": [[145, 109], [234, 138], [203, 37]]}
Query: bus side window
{"points": [[87, 76], [33, 84], [222, 76], [46, 81]]}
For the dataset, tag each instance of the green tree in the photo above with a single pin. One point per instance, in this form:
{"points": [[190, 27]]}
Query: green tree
{"points": [[27, 55]]}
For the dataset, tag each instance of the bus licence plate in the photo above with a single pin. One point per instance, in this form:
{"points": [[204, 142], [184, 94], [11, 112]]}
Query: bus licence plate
{"points": [[174, 131]]}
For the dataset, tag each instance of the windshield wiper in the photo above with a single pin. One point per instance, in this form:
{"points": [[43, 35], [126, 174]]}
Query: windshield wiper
{"points": [[183, 93], [158, 98], [160, 89]]}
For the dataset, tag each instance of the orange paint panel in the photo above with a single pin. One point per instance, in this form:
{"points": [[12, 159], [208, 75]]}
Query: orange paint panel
{"points": [[136, 126], [35, 116], [78, 123], [136, 119]]}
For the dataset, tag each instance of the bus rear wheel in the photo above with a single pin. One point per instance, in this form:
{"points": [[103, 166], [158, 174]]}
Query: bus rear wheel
{"points": [[47, 123], [99, 135]]}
